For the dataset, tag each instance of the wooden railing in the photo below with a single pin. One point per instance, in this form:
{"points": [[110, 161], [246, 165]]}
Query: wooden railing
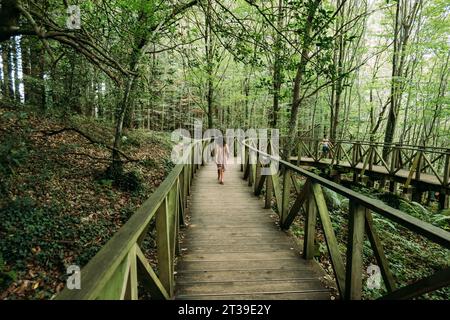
{"points": [[311, 198], [116, 270], [425, 165]]}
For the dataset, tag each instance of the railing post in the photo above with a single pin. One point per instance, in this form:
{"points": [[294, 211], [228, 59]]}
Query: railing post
{"points": [[269, 187], [163, 245], [394, 162], [355, 160], [131, 290], [241, 154], [246, 163], [299, 153], [191, 163], [182, 188], [186, 180], [354, 267], [399, 162], [338, 152], [375, 156], [189, 177], [286, 194], [354, 154], [316, 150], [173, 220], [251, 158], [443, 196], [269, 193], [197, 154], [371, 156], [446, 176], [419, 163], [250, 172], [258, 170], [310, 224], [203, 151]]}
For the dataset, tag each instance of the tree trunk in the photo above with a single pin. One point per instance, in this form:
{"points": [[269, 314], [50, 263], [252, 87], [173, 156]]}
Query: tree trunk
{"points": [[26, 68], [116, 167], [5, 69], [296, 101], [277, 79], [209, 65], [10, 70], [339, 69], [402, 30], [14, 44]]}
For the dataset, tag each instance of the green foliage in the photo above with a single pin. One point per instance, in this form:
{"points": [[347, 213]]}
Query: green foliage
{"points": [[168, 166], [13, 153], [107, 183], [332, 199], [149, 163], [129, 181], [140, 137], [32, 232], [410, 257], [6, 277]]}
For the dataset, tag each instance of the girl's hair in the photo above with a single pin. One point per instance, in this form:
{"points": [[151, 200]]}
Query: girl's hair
{"points": [[221, 141]]}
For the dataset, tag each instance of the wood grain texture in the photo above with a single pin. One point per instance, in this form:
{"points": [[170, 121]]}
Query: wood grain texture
{"points": [[233, 248]]}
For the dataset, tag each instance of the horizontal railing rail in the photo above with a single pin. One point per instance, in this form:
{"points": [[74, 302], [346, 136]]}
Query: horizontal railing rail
{"points": [[310, 199], [117, 269], [393, 144]]}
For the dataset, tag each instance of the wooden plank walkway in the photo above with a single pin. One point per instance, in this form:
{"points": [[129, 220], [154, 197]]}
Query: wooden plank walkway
{"points": [[233, 249]]}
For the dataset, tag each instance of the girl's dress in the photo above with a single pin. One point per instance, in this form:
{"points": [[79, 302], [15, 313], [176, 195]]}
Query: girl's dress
{"points": [[221, 155]]}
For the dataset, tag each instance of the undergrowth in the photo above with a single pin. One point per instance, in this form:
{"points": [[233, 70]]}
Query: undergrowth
{"points": [[57, 206]]}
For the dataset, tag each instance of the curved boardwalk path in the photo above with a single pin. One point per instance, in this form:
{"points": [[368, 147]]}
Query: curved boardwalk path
{"points": [[401, 175], [234, 250]]}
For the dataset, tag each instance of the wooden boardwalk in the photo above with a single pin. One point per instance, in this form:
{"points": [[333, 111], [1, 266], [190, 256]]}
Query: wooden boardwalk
{"points": [[400, 175], [234, 250]]}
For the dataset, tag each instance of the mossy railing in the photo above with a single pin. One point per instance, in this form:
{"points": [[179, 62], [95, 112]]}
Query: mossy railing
{"points": [[310, 201], [116, 270]]}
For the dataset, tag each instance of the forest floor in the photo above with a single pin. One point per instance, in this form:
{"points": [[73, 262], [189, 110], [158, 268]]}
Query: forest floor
{"points": [[57, 207], [411, 257]]}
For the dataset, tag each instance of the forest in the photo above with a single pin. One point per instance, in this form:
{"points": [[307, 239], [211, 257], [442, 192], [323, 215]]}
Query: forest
{"points": [[91, 91]]}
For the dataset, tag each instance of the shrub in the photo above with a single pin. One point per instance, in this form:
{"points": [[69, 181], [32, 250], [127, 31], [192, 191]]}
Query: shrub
{"points": [[129, 181], [13, 152], [6, 277], [32, 232]]}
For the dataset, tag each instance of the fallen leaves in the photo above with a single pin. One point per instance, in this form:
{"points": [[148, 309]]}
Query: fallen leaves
{"points": [[57, 174]]}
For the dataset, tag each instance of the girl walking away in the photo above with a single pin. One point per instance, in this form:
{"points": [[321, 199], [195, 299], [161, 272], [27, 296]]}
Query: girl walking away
{"points": [[221, 156], [326, 146]]}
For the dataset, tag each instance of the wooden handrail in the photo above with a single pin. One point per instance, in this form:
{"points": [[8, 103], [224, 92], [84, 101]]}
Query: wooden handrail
{"points": [[114, 271], [444, 150], [312, 200]]}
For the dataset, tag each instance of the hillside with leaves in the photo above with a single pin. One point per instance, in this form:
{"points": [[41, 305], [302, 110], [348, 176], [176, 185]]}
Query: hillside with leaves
{"points": [[58, 206]]}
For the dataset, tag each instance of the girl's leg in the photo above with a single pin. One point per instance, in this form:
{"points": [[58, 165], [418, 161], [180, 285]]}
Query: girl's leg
{"points": [[221, 175]]}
